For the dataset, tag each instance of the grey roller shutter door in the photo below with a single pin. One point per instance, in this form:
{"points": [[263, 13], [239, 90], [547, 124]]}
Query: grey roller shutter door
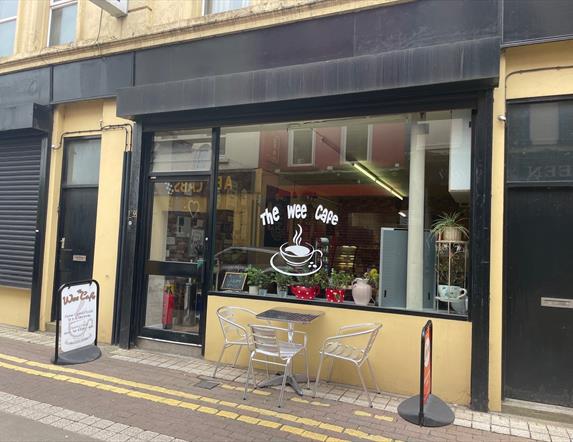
{"points": [[20, 160]]}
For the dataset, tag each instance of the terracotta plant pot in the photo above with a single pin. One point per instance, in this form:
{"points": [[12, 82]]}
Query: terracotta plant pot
{"points": [[335, 295], [307, 293]]}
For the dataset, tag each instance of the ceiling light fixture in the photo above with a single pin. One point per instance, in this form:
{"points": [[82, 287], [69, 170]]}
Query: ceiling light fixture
{"points": [[377, 180]]}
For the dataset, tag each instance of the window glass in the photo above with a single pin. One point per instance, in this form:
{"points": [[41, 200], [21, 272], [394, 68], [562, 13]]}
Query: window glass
{"points": [[301, 146], [63, 24], [8, 9], [82, 164], [540, 141], [214, 6], [179, 151], [310, 232], [7, 33], [357, 142]]}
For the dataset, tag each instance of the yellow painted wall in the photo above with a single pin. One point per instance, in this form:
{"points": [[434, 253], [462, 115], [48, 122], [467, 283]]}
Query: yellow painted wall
{"points": [[527, 71], [77, 117], [15, 306], [395, 355]]}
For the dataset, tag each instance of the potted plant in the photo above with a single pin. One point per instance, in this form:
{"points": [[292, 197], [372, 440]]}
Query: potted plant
{"points": [[449, 227], [265, 281], [308, 287], [255, 279], [339, 282], [283, 282]]}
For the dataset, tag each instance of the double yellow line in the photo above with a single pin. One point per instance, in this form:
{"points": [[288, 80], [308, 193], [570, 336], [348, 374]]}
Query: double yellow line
{"points": [[55, 372]]}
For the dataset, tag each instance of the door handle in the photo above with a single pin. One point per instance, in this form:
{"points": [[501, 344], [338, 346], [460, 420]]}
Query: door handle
{"points": [[63, 242]]}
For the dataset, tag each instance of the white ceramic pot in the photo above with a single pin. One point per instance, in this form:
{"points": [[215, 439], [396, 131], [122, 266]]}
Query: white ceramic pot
{"points": [[253, 290], [361, 291], [452, 234]]}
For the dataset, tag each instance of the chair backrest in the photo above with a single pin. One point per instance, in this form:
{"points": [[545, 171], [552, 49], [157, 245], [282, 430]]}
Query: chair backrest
{"points": [[265, 340], [373, 334], [231, 328]]}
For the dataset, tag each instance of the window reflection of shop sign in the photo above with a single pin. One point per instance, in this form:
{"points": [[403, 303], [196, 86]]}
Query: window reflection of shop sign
{"points": [[225, 184], [298, 258], [76, 323], [234, 281], [426, 409]]}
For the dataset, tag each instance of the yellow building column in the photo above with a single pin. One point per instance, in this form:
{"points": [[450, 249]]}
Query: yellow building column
{"points": [[496, 250]]}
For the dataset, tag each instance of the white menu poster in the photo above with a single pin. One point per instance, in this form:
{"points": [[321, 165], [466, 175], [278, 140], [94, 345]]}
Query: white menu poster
{"points": [[78, 316]]}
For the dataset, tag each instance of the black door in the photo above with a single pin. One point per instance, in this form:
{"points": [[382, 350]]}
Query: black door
{"points": [[175, 265], [77, 211], [539, 290]]}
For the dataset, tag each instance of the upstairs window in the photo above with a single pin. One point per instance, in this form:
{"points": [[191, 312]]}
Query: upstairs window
{"points": [[8, 13], [62, 22], [301, 144], [215, 6]]}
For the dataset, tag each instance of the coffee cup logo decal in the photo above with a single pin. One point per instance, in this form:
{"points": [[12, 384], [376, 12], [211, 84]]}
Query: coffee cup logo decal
{"points": [[298, 258], [302, 257]]}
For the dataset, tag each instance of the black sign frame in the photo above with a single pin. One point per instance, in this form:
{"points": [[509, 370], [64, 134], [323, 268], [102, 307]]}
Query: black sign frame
{"points": [[84, 354], [435, 412], [226, 281]]}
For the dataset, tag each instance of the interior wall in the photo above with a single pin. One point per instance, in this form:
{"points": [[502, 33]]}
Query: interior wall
{"points": [[395, 356]]}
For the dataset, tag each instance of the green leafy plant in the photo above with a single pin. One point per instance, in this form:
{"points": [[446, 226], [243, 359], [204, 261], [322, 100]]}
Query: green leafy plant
{"points": [[446, 221], [256, 277], [372, 277], [340, 280], [281, 280], [320, 279]]}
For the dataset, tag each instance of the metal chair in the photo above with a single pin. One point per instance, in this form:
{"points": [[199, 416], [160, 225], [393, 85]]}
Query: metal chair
{"points": [[233, 332], [336, 348], [265, 342]]}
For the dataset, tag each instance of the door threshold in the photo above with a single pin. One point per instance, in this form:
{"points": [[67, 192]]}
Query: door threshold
{"points": [[537, 410], [171, 347]]}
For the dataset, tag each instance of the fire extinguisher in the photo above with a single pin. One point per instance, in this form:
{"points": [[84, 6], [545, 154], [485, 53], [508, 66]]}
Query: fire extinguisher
{"points": [[168, 303]]}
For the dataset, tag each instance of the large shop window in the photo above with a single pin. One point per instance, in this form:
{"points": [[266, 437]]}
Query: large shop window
{"points": [[371, 211]]}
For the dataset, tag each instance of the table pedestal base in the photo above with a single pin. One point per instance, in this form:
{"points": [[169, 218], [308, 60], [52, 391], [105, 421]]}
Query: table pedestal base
{"points": [[278, 380]]}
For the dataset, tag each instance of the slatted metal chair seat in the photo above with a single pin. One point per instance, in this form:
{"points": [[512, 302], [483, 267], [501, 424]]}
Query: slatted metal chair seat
{"points": [[343, 347], [343, 351], [266, 342]]}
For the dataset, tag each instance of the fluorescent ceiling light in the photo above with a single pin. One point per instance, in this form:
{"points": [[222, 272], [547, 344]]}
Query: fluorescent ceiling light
{"points": [[377, 180], [402, 214]]}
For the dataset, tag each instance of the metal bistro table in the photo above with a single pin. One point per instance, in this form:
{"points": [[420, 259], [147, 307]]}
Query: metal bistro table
{"points": [[291, 317]]}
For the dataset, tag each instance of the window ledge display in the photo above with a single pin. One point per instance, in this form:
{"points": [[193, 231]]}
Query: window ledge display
{"points": [[323, 302]]}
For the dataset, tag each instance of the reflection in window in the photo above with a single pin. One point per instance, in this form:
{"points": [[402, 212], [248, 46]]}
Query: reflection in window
{"points": [[387, 201], [301, 147], [62, 22], [181, 151], [540, 141], [356, 142], [8, 13], [82, 162], [215, 6]]}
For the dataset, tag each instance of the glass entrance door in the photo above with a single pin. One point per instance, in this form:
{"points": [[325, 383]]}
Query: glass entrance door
{"points": [[175, 267]]}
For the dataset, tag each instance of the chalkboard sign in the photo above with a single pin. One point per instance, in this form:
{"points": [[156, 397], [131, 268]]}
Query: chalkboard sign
{"points": [[234, 281]]}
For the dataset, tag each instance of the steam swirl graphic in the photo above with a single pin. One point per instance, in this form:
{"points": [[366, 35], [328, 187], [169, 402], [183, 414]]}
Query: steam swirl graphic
{"points": [[298, 236]]}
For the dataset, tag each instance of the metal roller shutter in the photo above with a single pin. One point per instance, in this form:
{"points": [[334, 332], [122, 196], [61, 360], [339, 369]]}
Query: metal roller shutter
{"points": [[20, 160]]}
